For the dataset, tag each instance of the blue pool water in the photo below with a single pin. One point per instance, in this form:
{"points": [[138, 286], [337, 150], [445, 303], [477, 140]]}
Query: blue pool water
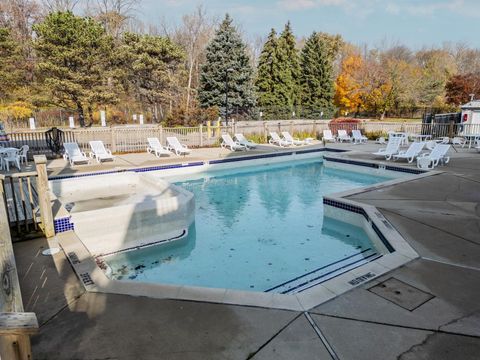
{"points": [[262, 229]]}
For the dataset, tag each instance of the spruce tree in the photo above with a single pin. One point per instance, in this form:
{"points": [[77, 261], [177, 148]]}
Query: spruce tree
{"points": [[266, 80], [226, 57], [316, 80], [288, 68]]}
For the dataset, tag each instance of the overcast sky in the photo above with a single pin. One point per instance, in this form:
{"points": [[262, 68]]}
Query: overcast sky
{"points": [[413, 22]]}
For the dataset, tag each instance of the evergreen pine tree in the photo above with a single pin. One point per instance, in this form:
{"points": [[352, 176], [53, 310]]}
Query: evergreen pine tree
{"points": [[288, 70], [266, 80], [226, 56], [317, 86]]}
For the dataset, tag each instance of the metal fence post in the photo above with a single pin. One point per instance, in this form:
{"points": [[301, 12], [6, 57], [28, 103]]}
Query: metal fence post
{"points": [[265, 131], [201, 135], [113, 140], [44, 200]]}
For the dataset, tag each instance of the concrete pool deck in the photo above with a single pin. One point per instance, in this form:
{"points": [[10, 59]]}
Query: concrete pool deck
{"points": [[438, 215]]}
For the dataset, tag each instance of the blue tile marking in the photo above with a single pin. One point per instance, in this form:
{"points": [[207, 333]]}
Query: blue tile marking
{"points": [[144, 169], [375, 166], [344, 206], [63, 224], [364, 254], [360, 210]]}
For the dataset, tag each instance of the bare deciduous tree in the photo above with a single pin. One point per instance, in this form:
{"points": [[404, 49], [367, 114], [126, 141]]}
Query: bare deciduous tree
{"points": [[114, 14], [60, 5], [193, 35]]}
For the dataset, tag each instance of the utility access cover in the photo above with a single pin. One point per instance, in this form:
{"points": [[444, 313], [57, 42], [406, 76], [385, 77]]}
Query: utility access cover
{"points": [[401, 294]]}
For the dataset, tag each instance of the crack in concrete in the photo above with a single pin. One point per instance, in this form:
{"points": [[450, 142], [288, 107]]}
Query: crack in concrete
{"points": [[75, 299], [252, 354], [433, 329]]}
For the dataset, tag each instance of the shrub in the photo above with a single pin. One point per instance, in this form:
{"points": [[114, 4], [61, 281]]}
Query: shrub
{"points": [[374, 135]]}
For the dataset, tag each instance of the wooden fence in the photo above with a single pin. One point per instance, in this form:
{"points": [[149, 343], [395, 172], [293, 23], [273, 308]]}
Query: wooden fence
{"points": [[125, 139], [16, 326]]}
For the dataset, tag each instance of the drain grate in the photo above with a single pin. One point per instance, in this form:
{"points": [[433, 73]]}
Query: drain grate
{"points": [[401, 294]]}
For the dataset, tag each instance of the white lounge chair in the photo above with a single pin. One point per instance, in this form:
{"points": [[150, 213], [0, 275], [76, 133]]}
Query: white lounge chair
{"points": [[99, 152], [276, 140], [458, 141], [411, 153], [430, 145], [156, 148], [381, 140], [174, 145], [392, 148], [242, 140], [10, 156], [328, 136], [343, 136], [289, 138], [73, 154], [437, 155], [227, 142], [358, 138]]}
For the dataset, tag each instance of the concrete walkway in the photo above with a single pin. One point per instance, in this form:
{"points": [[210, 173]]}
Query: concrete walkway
{"points": [[427, 309]]}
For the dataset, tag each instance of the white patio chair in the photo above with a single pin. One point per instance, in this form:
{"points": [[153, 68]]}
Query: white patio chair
{"points": [[430, 145], [392, 148], [23, 154], [99, 152], [411, 153], [458, 141], [243, 141], [328, 136], [156, 148], [343, 136], [381, 140], [227, 142], [289, 138], [174, 145], [437, 155], [276, 140], [358, 138], [10, 156], [73, 154]]}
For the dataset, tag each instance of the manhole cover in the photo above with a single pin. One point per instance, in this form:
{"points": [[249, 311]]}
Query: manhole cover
{"points": [[401, 294]]}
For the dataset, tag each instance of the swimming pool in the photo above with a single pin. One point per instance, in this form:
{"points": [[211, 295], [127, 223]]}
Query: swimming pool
{"points": [[259, 229]]}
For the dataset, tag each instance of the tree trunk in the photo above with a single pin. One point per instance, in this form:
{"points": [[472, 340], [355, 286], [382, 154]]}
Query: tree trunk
{"points": [[81, 115]]}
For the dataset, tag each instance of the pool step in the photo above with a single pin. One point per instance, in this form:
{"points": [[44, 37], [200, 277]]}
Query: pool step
{"points": [[325, 272]]}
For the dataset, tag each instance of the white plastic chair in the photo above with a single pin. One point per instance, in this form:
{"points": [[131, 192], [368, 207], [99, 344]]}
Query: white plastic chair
{"points": [[23, 154], [458, 141], [73, 154], [392, 148], [276, 140], [227, 142], [289, 138], [328, 136], [437, 155], [155, 147], [343, 136], [174, 145], [99, 152], [243, 141], [11, 156], [381, 140], [358, 138], [411, 153]]}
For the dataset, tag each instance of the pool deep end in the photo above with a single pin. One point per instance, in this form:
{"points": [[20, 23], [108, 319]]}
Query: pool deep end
{"points": [[119, 212]]}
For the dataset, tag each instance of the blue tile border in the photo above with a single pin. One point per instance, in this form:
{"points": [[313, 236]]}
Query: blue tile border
{"points": [[375, 165], [360, 210], [143, 169], [63, 224]]}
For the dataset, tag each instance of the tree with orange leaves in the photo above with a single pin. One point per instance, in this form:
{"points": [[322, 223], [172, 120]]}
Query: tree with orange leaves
{"points": [[347, 88]]}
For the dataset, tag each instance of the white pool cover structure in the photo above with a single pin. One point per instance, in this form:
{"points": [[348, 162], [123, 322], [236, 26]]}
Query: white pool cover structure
{"points": [[120, 212]]}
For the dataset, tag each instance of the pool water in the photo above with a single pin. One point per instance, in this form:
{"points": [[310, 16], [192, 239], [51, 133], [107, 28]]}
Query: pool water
{"points": [[260, 229]]}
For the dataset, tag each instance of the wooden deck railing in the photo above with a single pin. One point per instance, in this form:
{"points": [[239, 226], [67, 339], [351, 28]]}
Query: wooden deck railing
{"points": [[16, 326]]}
